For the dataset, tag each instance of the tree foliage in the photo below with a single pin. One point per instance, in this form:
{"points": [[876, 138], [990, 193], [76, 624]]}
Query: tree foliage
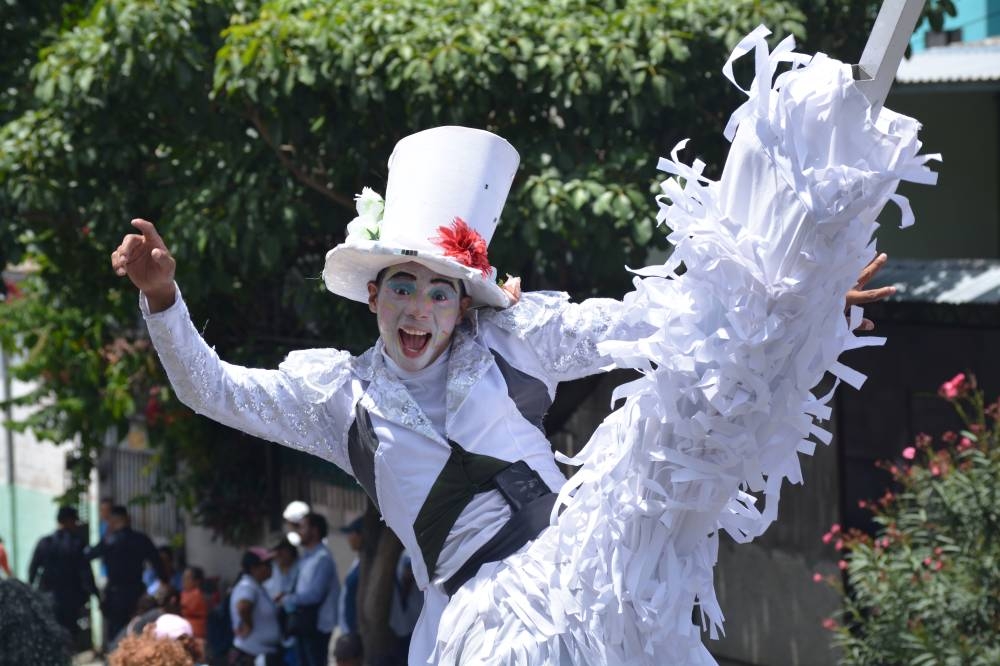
{"points": [[243, 129]]}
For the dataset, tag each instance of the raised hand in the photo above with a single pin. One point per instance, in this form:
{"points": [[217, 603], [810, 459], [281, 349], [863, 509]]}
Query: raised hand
{"points": [[145, 259], [512, 287], [860, 295]]}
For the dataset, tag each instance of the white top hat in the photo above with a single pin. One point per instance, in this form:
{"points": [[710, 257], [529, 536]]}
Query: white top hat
{"points": [[446, 189]]}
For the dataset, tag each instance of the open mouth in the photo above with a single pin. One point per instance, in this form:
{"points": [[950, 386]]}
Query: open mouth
{"points": [[413, 341]]}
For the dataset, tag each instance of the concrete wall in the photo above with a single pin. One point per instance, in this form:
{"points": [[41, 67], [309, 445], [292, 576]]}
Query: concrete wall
{"points": [[960, 216], [28, 506]]}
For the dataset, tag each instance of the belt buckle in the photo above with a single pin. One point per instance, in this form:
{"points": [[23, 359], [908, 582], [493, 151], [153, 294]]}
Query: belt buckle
{"points": [[519, 485]]}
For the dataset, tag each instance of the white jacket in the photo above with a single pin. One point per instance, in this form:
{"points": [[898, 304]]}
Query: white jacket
{"points": [[503, 370]]}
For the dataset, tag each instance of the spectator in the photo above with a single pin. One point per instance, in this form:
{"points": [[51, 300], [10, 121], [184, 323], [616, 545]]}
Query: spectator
{"points": [[104, 516], [155, 646], [407, 602], [29, 632], [60, 569], [194, 607], [313, 603], [169, 570], [347, 651], [4, 565], [284, 570], [147, 611], [175, 627], [253, 614], [124, 551], [348, 607], [281, 582], [293, 515]]}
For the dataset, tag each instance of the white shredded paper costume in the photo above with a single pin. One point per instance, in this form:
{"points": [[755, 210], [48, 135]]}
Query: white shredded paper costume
{"points": [[728, 354], [723, 406]]}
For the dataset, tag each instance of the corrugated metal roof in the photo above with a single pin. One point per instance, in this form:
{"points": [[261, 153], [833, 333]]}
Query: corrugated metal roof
{"points": [[965, 62], [951, 281]]}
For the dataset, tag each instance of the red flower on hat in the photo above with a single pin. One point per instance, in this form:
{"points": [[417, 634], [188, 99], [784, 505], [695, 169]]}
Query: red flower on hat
{"points": [[464, 244]]}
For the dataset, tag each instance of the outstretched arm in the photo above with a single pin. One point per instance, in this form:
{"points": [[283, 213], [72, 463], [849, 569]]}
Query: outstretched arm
{"points": [[304, 404]]}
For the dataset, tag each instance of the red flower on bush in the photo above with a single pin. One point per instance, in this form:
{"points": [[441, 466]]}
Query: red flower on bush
{"points": [[464, 244]]}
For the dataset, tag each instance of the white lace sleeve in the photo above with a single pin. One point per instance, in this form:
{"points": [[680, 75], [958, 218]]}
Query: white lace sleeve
{"points": [[302, 405], [564, 336]]}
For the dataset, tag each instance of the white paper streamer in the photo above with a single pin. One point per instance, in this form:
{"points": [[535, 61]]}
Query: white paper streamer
{"points": [[724, 404]]}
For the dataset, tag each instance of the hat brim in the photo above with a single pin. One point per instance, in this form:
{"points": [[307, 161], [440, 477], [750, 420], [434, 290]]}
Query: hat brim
{"points": [[351, 266]]}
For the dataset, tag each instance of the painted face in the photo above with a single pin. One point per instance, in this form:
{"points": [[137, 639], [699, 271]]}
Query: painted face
{"points": [[417, 311]]}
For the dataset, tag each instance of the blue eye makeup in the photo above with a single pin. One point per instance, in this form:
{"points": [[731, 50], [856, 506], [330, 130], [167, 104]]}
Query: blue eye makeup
{"points": [[402, 287], [441, 294]]}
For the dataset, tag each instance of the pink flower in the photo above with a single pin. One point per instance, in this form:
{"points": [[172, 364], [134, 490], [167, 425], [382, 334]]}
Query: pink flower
{"points": [[927, 561], [830, 624], [938, 551], [935, 470], [954, 387], [964, 443], [909, 453], [839, 545], [827, 538], [862, 504], [842, 565], [885, 542], [835, 528], [937, 565], [817, 578]]}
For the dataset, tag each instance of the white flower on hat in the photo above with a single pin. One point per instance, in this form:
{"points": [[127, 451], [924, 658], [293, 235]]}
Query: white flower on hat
{"points": [[367, 225]]}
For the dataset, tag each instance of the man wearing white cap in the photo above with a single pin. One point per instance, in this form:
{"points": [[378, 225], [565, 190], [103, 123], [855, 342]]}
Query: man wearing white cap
{"points": [[293, 515], [441, 420]]}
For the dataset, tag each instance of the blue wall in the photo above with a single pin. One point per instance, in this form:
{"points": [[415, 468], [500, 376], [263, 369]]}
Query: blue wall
{"points": [[978, 20]]}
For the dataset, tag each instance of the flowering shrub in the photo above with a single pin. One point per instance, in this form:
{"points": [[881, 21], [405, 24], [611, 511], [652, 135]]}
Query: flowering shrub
{"points": [[925, 589]]}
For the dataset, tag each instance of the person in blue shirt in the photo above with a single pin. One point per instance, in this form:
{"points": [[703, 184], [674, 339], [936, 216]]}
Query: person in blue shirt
{"points": [[348, 609], [254, 616], [316, 593]]}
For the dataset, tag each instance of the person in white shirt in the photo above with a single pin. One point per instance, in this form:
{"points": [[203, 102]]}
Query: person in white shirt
{"points": [[284, 571], [254, 615], [441, 421]]}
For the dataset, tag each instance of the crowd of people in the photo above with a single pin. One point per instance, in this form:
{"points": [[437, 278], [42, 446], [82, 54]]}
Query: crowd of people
{"points": [[285, 606]]}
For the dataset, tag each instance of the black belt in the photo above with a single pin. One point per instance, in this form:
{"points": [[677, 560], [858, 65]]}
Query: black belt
{"points": [[527, 521]]}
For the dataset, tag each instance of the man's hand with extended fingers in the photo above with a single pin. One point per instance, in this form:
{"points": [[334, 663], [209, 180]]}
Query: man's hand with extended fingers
{"points": [[147, 262], [859, 295]]}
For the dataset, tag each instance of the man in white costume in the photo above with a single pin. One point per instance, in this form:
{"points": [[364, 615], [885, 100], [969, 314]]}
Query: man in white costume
{"points": [[441, 420]]}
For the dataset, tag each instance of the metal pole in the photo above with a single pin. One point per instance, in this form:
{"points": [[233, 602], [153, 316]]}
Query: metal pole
{"points": [[9, 442], [885, 48]]}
